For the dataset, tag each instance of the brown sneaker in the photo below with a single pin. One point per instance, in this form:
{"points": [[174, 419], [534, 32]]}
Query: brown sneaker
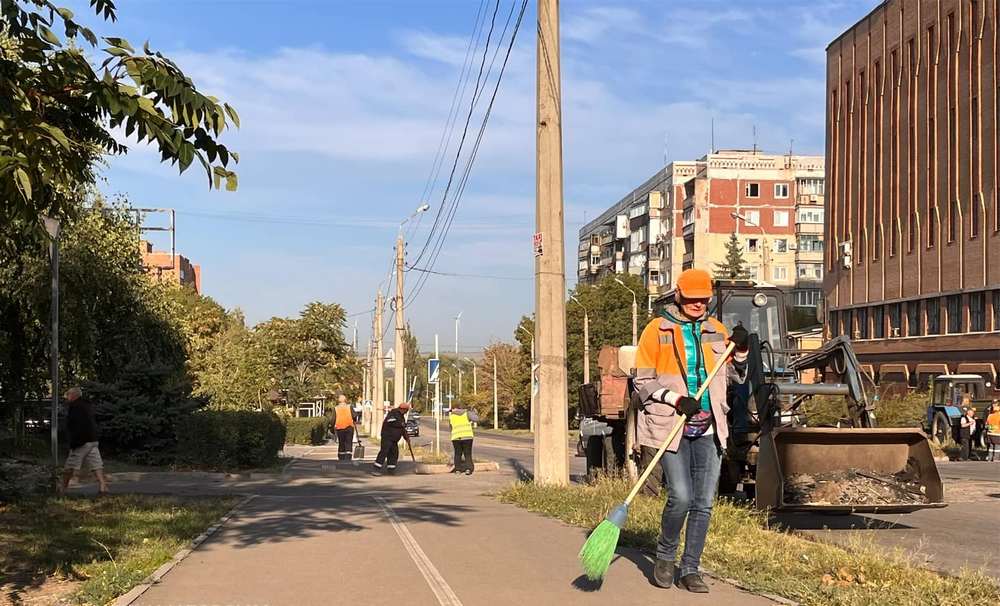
{"points": [[663, 574]]}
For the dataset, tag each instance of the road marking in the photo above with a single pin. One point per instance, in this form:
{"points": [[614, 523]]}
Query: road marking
{"points": [[442, 591]]}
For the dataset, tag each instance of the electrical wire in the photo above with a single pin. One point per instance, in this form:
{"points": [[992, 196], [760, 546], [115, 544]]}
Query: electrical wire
{"points": [[454, 275], [439, 243]]}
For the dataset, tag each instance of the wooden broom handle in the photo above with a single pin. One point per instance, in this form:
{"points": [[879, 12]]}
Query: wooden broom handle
{"points": [[681, 420]]}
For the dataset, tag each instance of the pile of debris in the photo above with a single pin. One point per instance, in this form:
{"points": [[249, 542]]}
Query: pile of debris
{"points": [[854, 487]]}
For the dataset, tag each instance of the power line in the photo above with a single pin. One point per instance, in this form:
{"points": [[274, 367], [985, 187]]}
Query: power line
{"points": [[454, 275]]}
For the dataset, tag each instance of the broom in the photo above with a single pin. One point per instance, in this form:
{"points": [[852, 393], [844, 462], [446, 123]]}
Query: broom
{"points": [[596, 554]]}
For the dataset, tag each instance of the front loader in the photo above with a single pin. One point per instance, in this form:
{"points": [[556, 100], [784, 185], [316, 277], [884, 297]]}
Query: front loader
{"points": [[771, 445]]}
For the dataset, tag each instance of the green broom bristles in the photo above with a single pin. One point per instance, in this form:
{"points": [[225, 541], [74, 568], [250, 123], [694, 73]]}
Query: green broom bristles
{"points": [[596, 554]]}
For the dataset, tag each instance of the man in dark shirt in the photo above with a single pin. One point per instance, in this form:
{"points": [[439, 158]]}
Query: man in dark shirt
{"points": [[82, 429], [393, 428]]}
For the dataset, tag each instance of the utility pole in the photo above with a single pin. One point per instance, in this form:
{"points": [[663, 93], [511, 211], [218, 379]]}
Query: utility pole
{"points": [[458, 364], [399, 380], [377, 408], [52, 227], [496, 424], [551, 464], [457, 318]]}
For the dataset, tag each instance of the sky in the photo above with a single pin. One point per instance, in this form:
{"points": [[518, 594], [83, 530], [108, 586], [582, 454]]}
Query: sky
{"points": [[344, 107]]}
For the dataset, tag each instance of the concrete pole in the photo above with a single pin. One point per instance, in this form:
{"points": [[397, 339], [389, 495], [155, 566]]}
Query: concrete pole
{"points": [[586, 347], [635, 321], [459, 365], [437, 401], [496, 416], [399, 380], [377, 408], [475, 386], [532, 369], [551, 464]]}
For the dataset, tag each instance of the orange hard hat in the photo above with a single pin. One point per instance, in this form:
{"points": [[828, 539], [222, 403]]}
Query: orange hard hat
{"points": [[695, 284]]}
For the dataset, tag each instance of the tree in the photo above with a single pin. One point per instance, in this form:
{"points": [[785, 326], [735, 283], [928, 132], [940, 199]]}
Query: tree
{"points": [[58, 113], [734, 267], [416, 365], [609, 307], [513, 397]]}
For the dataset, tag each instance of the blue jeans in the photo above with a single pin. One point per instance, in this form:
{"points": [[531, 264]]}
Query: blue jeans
{"points": [[692, 476]]}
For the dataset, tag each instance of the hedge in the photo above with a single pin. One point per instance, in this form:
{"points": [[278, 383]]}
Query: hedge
{"points": [[230, 439], [310, 430]]}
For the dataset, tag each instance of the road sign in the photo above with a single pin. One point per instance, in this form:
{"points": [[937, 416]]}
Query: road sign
{"points": [[433, 370]]}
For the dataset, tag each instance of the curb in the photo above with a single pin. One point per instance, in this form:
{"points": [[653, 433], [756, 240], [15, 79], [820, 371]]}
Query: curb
{"points": [[426, 469], [128, 598]]}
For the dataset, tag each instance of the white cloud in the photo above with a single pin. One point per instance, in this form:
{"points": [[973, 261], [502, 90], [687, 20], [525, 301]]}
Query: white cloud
{"points": [[595, 23]]}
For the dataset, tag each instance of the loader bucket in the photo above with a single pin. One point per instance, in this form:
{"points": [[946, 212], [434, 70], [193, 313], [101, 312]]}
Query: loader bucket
{"points": [[789, 451]]}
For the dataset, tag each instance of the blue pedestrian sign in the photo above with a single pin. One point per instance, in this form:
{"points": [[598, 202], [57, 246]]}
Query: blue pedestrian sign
{"points": [[433, 370]]}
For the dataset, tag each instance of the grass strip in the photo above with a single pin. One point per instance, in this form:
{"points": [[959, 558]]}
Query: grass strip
{"points": [[743, 546], [109, 544]]}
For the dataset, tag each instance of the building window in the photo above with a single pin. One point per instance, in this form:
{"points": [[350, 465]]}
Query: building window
{"points": [[811, 187], [933, 309], [780, 218], [996, 310], [810, 243], [863, 323], [847, 323], [755, 273], [594, 260], [752, 217], [834, 324], [810, 215], [954, 308], [753, 190], [780, 190], [913, 326], [780, 273], [807, 298], [895, 326], [878, 321], [752, 244], [977, 312], [780, 245]]}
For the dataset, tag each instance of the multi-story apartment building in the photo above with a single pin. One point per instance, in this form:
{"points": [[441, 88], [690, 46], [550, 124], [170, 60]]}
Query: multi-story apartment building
{"points": [[176, 269], [913, 266], [685, 214]]}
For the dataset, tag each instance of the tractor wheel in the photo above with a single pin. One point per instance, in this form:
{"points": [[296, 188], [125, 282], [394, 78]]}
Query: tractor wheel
{"points": [[940, 428]]}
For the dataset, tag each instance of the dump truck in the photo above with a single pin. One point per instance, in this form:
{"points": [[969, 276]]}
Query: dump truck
{"points": [[773, 452]]}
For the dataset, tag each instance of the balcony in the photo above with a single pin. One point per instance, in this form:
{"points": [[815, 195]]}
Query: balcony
{"points": [[808, 256], [809, 228], [688, 258], [810, 199]]}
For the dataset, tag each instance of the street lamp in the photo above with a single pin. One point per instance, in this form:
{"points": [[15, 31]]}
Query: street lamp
{"points": [[586, 340], [399, 372], [531, 414], [475, 386], [635, 313], [52, 227], [763, 241]]}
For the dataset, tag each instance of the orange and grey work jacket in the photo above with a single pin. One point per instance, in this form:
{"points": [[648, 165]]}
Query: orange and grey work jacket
{"points": [[660, 378]]}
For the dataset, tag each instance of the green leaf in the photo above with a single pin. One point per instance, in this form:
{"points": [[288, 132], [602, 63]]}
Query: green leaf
{"points": [[120, 43], [231, 182], [48, 36], [185, 155], [65, 13], [89, 36], [117, 52], [56, 133], [232, 114], [23, 182]]}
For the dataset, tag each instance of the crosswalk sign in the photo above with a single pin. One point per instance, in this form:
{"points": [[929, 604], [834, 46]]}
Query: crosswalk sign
{"points": [[433, 370]]}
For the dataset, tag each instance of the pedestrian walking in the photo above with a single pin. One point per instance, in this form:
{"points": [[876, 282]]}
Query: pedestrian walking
{"points": [[966, 427], [343, 426], [674, 354], [393, 429], [461, 420], [993, 431], [81, 425]]}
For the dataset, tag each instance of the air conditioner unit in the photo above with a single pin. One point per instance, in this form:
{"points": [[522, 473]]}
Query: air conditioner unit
{"points": [[846, 254]]}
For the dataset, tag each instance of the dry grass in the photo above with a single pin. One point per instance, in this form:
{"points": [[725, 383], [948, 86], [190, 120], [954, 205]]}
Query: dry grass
{"points": [[743, 546]]}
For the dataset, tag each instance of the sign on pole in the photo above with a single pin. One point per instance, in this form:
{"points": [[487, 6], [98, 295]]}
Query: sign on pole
{"points": [[536, 244], [433, 370]]}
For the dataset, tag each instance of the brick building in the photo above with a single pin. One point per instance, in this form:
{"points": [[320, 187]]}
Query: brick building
{"points": [[165, 267], [684, 215], [913, 265]]}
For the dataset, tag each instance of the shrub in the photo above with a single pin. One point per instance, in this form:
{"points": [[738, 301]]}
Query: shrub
{"points": [[306, 431], [230, 439]]}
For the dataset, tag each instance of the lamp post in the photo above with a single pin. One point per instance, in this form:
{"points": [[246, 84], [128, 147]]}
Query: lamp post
{"points": [[763, 242], [52, 227], [399, 371], [586, 340], [496, 416], [475, 387], [635, 313], [531, 382]]}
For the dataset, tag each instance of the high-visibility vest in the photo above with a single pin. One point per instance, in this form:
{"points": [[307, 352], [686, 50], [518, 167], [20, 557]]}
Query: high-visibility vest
{"points": [[461, 426], [344, 418]]}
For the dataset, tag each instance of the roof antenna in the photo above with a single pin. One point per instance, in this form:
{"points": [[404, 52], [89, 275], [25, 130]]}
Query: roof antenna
{"points": [[713, 134], [791, 147], [755, 139]]}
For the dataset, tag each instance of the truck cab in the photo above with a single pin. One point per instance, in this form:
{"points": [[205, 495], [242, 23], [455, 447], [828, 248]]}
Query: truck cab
{"points": [[944, 411]]}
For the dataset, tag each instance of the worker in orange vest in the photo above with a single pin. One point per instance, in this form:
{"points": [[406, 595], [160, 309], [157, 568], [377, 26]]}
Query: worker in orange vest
{"points": [[343, 426]]}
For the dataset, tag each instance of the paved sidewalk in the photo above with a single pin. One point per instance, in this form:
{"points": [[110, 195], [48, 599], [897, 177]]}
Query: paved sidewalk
{"points": [[308, 538]]}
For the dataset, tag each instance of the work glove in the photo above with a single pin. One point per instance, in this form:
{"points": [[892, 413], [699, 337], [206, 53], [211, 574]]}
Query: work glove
{"points": [[740, 337], [687, 406]]}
